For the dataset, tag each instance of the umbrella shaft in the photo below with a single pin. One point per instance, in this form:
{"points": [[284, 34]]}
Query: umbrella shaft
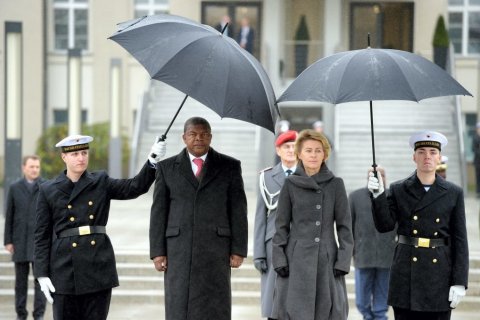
{"points": [[374, 165]]}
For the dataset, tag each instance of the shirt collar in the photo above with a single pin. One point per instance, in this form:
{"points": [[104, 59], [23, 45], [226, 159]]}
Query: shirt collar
{"points": [[191, 156]]}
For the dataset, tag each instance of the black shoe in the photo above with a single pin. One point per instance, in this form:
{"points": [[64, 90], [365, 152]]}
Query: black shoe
{"points": [[38, 318]]}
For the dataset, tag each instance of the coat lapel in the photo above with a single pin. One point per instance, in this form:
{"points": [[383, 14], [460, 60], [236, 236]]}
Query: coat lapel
{"points": [[212, 167], [278, 175], [437, 190], [185, 168], [85, 180], [64, 184]]}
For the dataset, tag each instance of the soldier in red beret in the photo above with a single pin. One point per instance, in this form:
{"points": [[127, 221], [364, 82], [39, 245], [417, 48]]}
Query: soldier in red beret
{"points": [[271, 181]]}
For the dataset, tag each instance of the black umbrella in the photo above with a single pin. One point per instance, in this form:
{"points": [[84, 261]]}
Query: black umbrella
{"points": [[202, 63], [372, 74]]}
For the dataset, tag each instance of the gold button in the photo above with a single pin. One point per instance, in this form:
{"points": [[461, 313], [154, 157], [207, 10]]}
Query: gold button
{"points": [[74, 244], [435, 234], [414, 259], [92, 242], [69, 206], [437, 220], [415, 231], [415, 218], [434, 260], [91, 216], [90, 203], [72, 219]]}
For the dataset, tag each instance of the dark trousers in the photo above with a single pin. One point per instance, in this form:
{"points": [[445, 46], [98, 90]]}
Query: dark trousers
{"points": [[90, 306], [22, 270], [477, 176], [405, 314]]}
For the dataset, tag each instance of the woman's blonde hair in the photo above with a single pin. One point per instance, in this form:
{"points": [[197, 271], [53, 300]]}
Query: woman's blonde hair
{"points": [[309, 134]]}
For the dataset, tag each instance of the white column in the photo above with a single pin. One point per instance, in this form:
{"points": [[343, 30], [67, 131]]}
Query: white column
{"points": [[74, 91], [333, 24], [13, 102], [115, 145]]}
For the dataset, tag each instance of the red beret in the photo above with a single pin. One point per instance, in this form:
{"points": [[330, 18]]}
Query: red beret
{"points": [[287, 136]]}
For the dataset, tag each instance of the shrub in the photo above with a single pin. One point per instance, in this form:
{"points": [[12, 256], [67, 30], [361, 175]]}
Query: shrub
{"points": [[440, 36]]}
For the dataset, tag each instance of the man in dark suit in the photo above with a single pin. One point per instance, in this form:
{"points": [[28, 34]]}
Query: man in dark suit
{"points": [[271, 181], [19, 230], [246, 35], [198, 226], [429, 273], [229, 29], [74, 257], [372, 256]]}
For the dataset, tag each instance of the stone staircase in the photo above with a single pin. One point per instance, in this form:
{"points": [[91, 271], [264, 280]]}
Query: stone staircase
{"points": [[141, 284]]}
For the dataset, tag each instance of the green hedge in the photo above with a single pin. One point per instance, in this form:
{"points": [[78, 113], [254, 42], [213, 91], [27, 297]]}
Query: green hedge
{"points": [[440, 36], [52, 163]]}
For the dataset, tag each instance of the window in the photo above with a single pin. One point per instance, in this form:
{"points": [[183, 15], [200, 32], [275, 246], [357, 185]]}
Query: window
{"points": [[149, 7], [70, 24], [464, 26], [60, 116]]}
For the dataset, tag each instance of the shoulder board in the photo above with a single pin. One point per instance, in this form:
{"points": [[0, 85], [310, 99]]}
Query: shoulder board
{"points": [[266, 169]]}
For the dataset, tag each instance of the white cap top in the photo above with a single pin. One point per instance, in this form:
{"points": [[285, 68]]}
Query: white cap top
{"points": [[431, 139], [74, 142]]}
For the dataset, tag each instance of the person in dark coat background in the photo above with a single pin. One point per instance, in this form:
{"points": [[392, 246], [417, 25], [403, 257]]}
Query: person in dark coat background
{"points": [[429, 273], [311, 266], [246, 35], [198, 226], [74, 257], [372, 256], [229, 31], [476, 157], [19, 232], [271, 181]]}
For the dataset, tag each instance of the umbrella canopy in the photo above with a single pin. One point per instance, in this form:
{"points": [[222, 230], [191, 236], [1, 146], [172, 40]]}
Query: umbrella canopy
{"points": [[372, 74], [202, 63]]}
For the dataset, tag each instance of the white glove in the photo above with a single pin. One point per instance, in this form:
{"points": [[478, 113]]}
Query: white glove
{"points": [[375, 185], [157, 152], [455, 295], [46, 286]]}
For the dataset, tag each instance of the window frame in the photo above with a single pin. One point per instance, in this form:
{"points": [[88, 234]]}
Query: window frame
{"points": [[150, 7], [465, 9], [71, 6]]}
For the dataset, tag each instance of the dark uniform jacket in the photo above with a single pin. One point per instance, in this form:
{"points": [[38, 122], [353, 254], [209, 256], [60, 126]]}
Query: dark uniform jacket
{"points": [[81, 264], [420, 278], [20, 218], [198, 225]]}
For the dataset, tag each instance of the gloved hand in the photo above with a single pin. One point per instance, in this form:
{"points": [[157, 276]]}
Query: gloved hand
{"points": [[455, 295], [261, 264], [338, 273], [375, 184], [157, 152], [46, 286], [282, 271]]}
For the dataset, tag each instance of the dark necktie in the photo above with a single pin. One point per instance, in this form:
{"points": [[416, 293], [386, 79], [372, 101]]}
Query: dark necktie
{"points": [[288, 172], [199, 163]]}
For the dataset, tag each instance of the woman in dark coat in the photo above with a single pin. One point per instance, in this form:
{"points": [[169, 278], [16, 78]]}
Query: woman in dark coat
{"points": [[310, 264]]}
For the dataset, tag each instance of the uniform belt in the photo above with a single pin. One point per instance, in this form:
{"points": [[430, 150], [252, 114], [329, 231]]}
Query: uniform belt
{"points": [[82, 231], [422, 242]]}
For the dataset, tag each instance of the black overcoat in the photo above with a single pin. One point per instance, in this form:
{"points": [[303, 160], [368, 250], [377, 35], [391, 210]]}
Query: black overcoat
{"points": [[81, 264], [198, 225], [420, 278], [20, 218]]}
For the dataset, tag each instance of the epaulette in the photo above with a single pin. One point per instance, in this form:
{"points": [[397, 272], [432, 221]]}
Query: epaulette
{"points": [[266, 169]]}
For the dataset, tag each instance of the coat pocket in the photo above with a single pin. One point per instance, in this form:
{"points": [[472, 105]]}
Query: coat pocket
{"points": [[223, 232], [172, 232]]}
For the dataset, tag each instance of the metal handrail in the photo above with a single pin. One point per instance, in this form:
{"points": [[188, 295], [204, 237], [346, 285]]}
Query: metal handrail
{"points": [[458, 120], [142, 115]]}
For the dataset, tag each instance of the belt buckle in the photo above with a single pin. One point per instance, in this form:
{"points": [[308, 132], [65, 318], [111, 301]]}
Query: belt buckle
{"points": [[84, 230], [424, 242]]}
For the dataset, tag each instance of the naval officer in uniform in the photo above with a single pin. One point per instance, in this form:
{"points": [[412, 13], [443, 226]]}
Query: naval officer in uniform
{"points": [[429, 272], [271, 181], [74, 259]]}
